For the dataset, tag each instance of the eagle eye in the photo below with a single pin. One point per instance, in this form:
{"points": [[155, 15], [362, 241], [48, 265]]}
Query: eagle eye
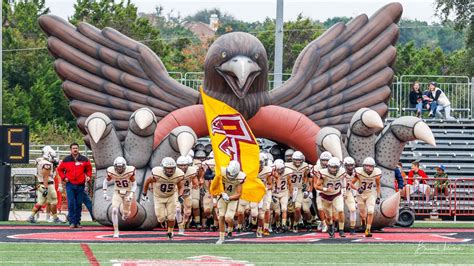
{"points": [[223, 54]]}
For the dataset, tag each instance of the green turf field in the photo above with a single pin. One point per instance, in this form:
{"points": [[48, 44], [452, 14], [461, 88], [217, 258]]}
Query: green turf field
{"points": [[270, 254]]}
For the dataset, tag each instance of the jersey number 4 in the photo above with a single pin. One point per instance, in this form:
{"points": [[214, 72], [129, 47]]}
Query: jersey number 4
{"points": [[121, 183]]}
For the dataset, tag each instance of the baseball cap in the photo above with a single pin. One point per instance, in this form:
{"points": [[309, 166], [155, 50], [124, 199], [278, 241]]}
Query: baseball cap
{"points": [[441, 167], [433, 83]]}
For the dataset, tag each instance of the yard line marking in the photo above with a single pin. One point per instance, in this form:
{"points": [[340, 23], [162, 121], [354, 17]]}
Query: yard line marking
{"points": [[89, 254]]}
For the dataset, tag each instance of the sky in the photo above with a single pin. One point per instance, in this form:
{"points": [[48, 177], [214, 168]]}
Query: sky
{"points": [[258, 10]]}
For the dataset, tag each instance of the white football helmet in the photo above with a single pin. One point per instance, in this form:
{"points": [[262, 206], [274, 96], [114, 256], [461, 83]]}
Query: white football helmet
{"points": [[279, 165], [289, 152], [334, 162], [348, 161], [120, 164], [297, 155], [369, 161], [200, 155], [191, 153], [333, 165], [263, 158], [49, 154], [182, 160], [190, 159], [325, 156], [233, 169], [169, 166], [211, 155]]}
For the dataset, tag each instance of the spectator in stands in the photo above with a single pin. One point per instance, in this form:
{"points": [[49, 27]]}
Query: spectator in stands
{"points": [[441, 185], [400, 177], [428, 103], [416, 98], [417, 182], [75, 170], [442, 102]]}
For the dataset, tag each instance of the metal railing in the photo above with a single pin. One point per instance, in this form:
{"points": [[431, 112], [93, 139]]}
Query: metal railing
{"points": [[457, 89], [456, 199]]}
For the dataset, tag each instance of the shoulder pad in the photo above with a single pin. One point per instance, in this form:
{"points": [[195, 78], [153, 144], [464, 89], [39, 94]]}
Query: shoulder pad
{"points": [[191, 170], [377, 171], [178, 173]]}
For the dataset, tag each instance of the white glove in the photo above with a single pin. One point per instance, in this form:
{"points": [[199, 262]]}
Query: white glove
{"points": [[144, 199], [129, 197], [305, 194], [106, 197], [295, 194], [225, 197], [60, 188]]}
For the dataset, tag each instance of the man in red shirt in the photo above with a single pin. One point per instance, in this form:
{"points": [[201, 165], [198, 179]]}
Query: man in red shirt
{"points": [[417, 182], [75, 170]]}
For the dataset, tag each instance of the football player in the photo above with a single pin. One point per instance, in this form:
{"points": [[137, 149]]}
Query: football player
{"points": [[349, 165], [265, 174], [245, 205], [288, 154], [321, 164], [232, 179], [331, 187], [368, 178], [198, 193], [46, 191], [299, 176], [168, 188], [209, 202], [281, 191], [190, 181], [123, 176]]}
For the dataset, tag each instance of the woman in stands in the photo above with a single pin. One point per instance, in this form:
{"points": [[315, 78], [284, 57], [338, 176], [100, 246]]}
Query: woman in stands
{"points": [[416, 98]]}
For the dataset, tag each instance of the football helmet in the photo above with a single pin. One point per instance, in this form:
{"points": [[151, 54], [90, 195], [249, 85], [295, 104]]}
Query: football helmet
{"points": [[169, 166], [120, 164], [49, 154], [233, 169]]}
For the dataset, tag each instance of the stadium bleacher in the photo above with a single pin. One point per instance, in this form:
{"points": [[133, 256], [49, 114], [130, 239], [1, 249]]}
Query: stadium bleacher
{"points": [[454, 150]]}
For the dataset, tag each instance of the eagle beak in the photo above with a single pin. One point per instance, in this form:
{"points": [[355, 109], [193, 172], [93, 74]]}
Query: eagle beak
{"points": [[239, 72]]}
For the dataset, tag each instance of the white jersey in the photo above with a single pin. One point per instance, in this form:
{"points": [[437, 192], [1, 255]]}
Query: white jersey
{"points": [[42, 163], [230, 185], [282, 185], [367, 182], [334, 181], [297, 174], [165, 186], [122, 181], [190, 173], [266, 171]]}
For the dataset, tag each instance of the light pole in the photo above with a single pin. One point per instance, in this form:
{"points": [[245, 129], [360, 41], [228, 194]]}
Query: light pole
{"points": [[278, 62]]}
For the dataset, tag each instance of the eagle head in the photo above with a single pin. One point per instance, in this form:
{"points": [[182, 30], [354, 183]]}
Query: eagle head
{"points": [[235, 71]]}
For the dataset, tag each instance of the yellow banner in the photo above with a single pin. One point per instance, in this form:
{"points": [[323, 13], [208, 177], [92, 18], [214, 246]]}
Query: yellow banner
{"points": [[232, 139]]}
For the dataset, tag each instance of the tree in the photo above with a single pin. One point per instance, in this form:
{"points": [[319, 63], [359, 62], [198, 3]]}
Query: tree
{"points": [[297, 34], [205, 15], [464, 19]]}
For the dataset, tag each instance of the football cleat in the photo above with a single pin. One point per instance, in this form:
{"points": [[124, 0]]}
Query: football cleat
{"points": [[181, 232], [58, 221], [266, 232], [170, 236], [229, 234], [220, 241], [341, 233], [352, 232], [116, 234], [368, 233], [259, 233], [31, 219], [324, 228], [331, 230]]}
